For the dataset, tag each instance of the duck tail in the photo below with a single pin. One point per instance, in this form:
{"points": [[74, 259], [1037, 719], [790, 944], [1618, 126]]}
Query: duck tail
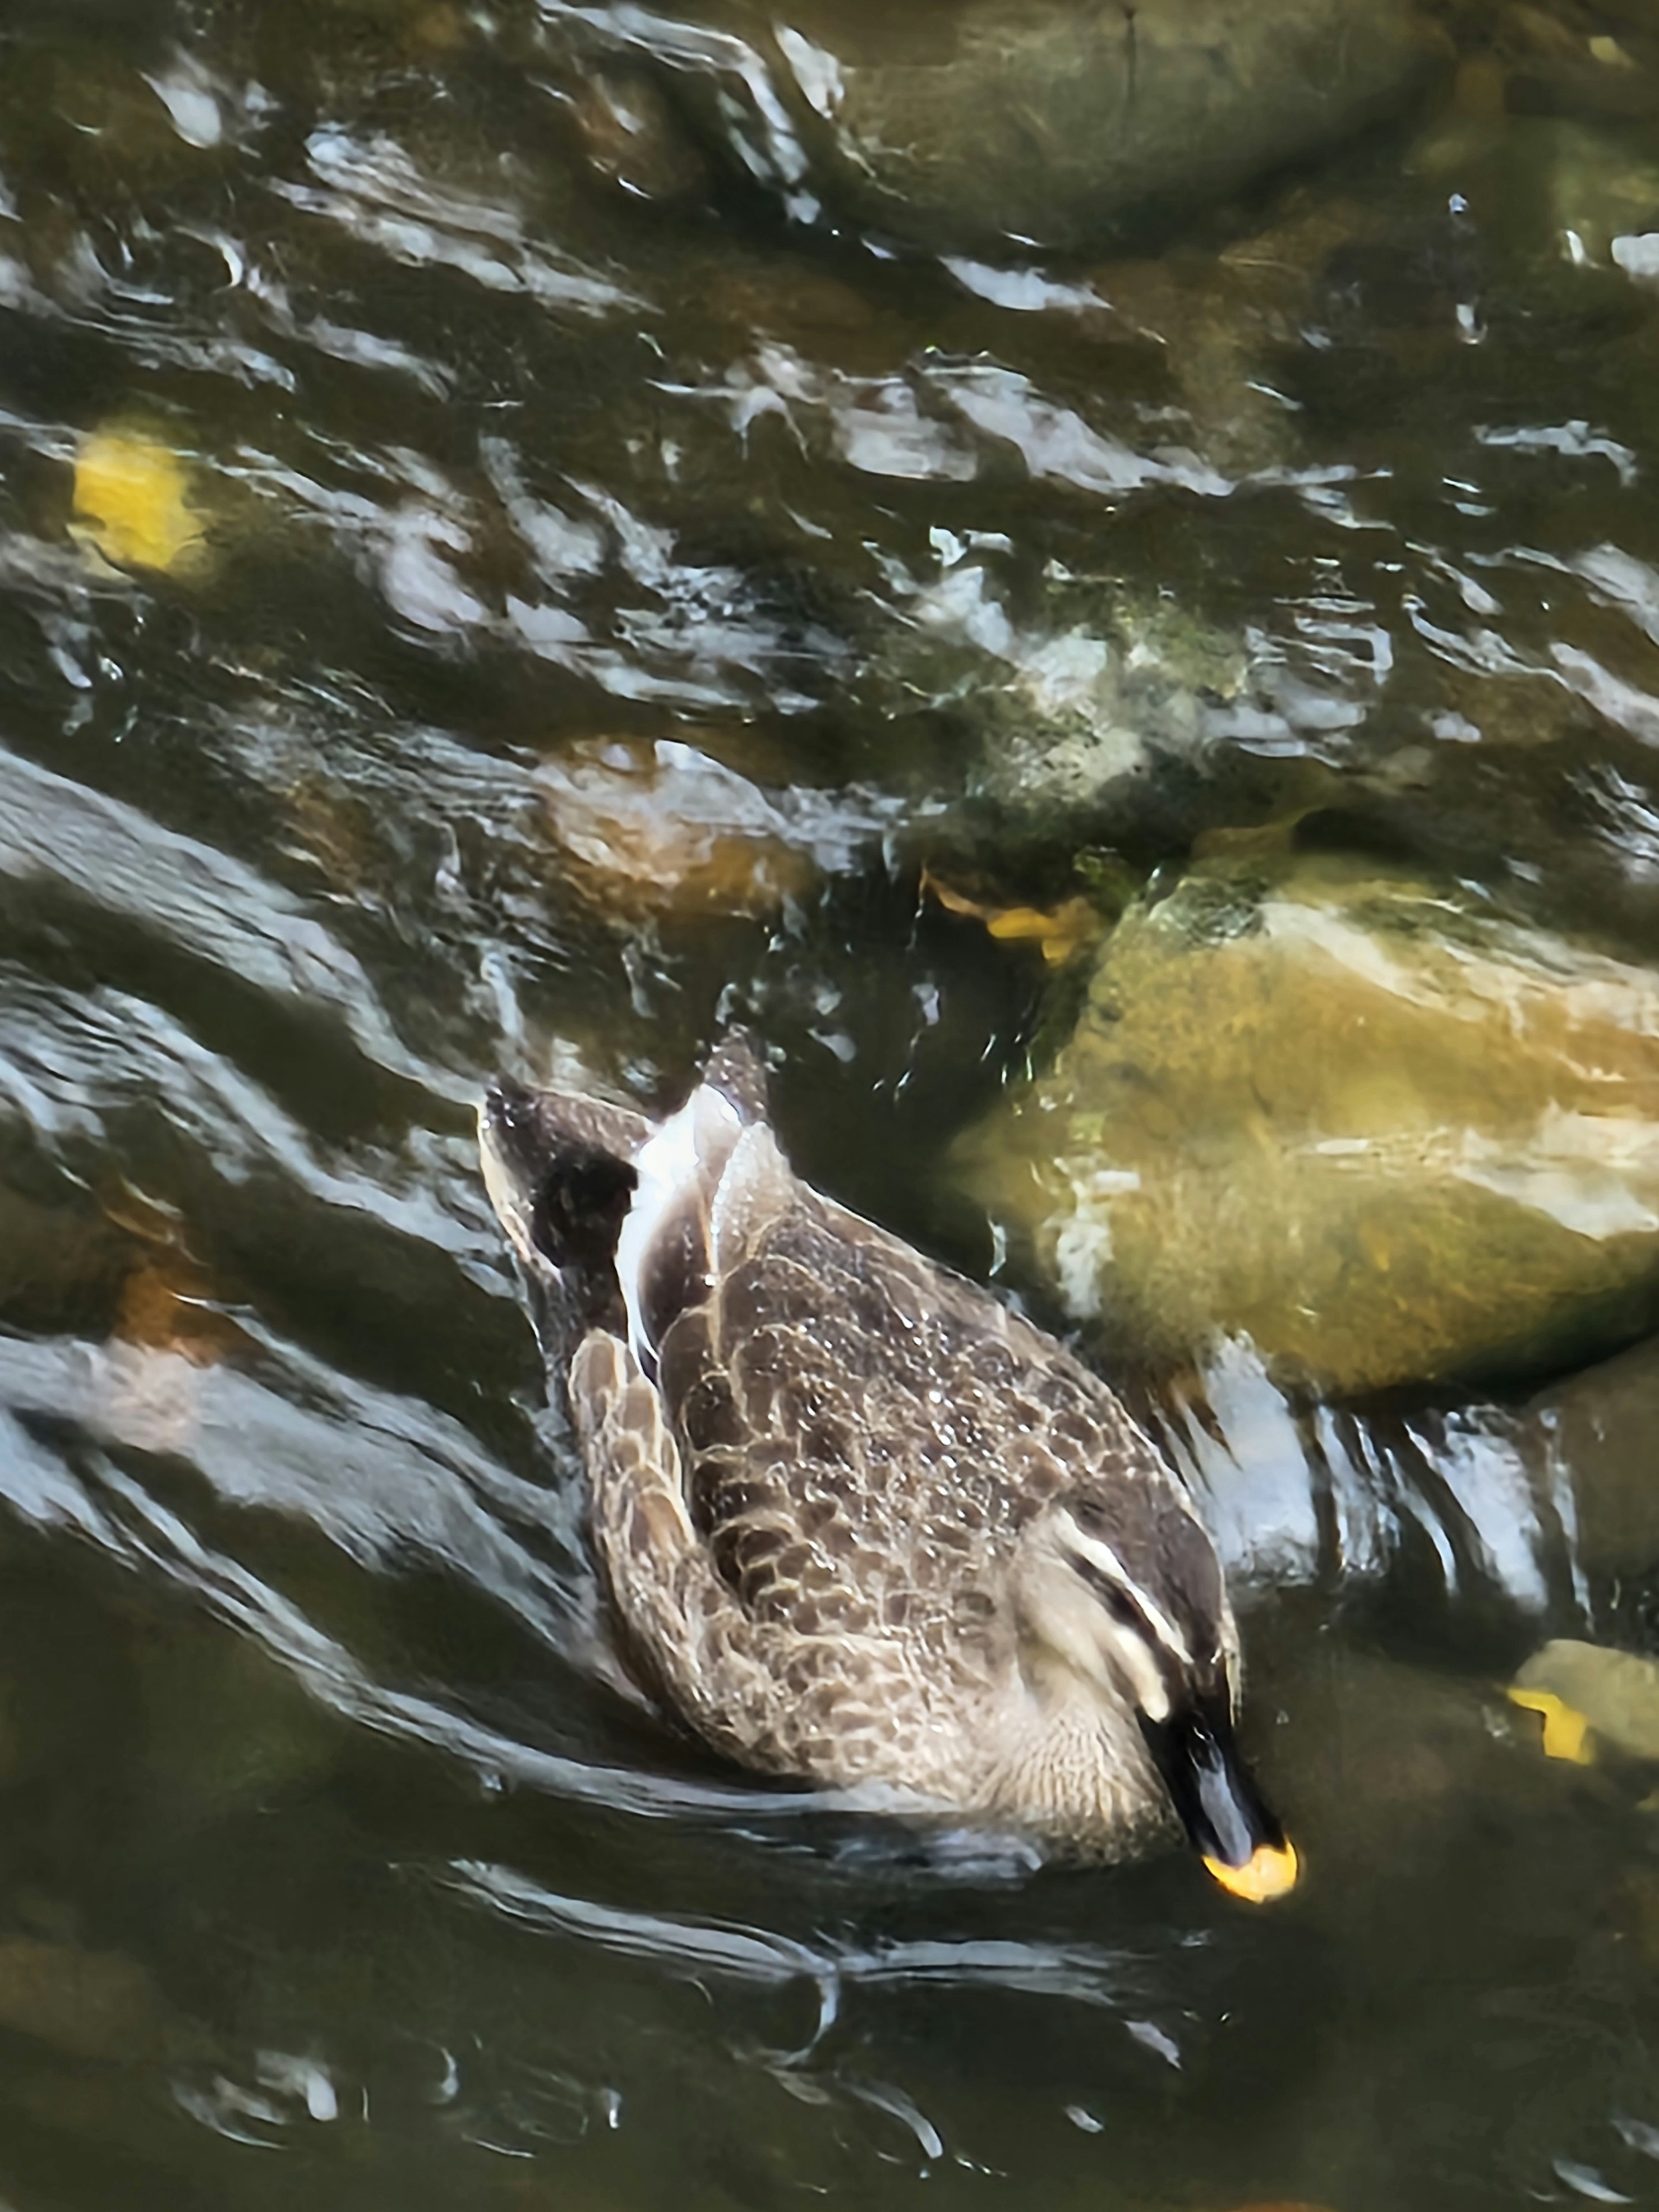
{"points": [[608, 1211], [559, 1169]]}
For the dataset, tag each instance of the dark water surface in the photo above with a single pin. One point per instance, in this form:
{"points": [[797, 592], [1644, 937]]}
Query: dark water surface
{"points": [[339, 1864]]}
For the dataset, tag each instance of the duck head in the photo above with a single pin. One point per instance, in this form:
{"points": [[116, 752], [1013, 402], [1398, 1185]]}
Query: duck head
{"points": [[1119, 1592]]}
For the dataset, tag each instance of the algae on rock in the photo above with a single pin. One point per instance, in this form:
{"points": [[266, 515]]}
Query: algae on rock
{"points": [[1364, 1121]]}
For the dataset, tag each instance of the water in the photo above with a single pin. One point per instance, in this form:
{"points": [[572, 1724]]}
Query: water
{"points": [[338, 1854]]}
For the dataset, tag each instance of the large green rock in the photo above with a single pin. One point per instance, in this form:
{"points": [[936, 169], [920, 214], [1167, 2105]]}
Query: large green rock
{"points": [[1063, 124], [1363, 1119]]}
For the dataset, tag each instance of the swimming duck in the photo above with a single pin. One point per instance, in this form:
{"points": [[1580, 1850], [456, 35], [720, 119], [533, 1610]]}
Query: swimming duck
{"points": [[861, 1524]]}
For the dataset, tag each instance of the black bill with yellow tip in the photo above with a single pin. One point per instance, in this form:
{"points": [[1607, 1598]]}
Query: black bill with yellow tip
{"points": [[1219, 1806]]}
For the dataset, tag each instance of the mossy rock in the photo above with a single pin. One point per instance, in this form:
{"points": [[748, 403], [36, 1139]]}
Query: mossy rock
{"points": [[1379, 1129]]}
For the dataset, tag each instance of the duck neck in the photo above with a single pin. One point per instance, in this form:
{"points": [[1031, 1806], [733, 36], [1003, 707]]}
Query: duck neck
{"points": [[1072, 1763]]}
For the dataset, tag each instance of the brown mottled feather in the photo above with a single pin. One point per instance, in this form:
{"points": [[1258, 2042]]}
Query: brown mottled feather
{"points": [[809, 1518]]}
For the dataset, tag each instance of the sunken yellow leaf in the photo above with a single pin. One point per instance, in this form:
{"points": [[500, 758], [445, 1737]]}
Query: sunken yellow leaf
{"points": [[1059, 931], [1615, 1693], [1565, 1730], [132, 501]]}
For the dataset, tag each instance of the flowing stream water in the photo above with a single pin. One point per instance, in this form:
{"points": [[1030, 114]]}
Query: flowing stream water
{"points": [[494, 578]]}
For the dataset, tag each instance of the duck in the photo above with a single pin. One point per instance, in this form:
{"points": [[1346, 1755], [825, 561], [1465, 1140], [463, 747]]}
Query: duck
{"points": [[861, 1524]]}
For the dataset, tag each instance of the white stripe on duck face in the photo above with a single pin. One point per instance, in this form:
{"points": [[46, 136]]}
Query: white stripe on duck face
{"points": [[1105, 1561], [668, 1165]]}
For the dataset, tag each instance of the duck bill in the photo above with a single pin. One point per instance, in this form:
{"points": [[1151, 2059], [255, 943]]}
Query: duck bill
{"points": [[1238, 1839]]}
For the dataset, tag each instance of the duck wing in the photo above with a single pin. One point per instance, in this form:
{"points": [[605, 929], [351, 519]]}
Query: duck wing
{"points": [[812, 1452], [894, 1421]]}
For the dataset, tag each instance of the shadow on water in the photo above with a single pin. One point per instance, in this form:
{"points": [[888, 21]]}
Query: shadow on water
{"points": [[500, 570]]}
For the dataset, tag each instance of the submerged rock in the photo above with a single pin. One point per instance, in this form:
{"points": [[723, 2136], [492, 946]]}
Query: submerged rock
{"points": [[1045, 122], [1099, 708], [1382, 1131], [665, 830], [629, 136], [87, 2004], [647, 828]]}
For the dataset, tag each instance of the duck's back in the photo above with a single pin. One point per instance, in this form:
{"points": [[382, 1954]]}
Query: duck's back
{"points": [[858, 1438], [833, 1383]]}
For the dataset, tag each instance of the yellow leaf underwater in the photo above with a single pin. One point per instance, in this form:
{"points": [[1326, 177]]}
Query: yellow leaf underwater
{"points": [[1059, 932], [1593, 1688], [1564, 1731], [131, 499]]}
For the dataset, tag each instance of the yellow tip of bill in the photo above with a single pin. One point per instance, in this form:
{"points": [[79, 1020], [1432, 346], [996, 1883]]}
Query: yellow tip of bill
{"points": [[1565, 1730], [1269, 1872]]}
